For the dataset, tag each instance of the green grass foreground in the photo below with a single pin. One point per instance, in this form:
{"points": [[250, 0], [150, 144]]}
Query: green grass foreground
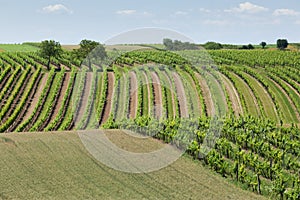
{"points": [[57, 166]]}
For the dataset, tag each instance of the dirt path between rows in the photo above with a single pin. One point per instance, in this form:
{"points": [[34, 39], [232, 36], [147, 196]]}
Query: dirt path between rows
{"points": [[84, 98], [157, 95], [133, 95], [109, 98], [36, 97], [233, 95], [210, 109], [61, 95], [181, 95]]}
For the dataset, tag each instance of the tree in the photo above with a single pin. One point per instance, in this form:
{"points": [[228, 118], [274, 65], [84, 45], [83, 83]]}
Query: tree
{"points": [[250, 46], [213, 45], [282, 44], [50, 49], [263, 44], [168, 43], [90, 50], [178, 45]]}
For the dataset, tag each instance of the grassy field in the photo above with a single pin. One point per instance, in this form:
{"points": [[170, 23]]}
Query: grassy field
{"points": [[57, 166], [17, 47]]}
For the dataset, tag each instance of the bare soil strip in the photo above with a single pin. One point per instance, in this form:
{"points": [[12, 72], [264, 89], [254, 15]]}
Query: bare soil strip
{"points": [[233, 95], [109, 98], [210, 109], [36, 97], [181, 95], [11, 88], [133, 95], [4, 80], [19, 119], [17, 99], [66, 67], [157, 95], [61, 95]]}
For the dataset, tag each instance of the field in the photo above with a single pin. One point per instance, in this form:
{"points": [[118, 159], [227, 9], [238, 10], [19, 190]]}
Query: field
{"points": [[17, 47], [56, 165], [254, 94]]}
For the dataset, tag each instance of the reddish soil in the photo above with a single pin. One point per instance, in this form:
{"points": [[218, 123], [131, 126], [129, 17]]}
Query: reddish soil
{"points": [[4, 80], [157, 95], [109, 98], [10, 89], [133, 95], [61, 95], [17, 99], [19, 119], [210, 109], [181, 95], [84, 98], [233, 95], [66, 67], [36, 96]]}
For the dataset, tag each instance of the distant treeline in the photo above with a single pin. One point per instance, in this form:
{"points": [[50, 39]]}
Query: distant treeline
{"points": [[177, 45], [216, 46]]}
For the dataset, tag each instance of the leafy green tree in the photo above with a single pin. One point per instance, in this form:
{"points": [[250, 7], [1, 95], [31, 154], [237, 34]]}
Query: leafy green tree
{"points": [[90, 50], [263, 44], [177, 45], [168, 43], [50, 49], [282, 44], [213, 46], [250, 46]]}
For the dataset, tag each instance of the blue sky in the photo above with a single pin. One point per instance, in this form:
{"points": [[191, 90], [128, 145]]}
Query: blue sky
{"points": [[69, 21]]}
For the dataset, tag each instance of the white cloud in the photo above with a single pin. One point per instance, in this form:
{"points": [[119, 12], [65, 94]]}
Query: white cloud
{"points": [[286, 12], [126, 12], [56, 8], [181, 13], [248, 8], [204, 10]]}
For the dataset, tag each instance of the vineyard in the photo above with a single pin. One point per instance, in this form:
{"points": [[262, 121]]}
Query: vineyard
{"points": [[255, 94]]}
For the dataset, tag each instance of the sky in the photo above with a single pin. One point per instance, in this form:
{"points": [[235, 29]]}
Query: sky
{"points": [[70, 21]]}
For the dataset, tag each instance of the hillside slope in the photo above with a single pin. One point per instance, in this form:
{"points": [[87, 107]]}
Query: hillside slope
{"points": [[56, 166]]}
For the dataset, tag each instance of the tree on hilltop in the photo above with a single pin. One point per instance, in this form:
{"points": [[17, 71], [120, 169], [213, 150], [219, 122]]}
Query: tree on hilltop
{"points": [[263, 44], [88, 50], [282, 44], [50, 49]]}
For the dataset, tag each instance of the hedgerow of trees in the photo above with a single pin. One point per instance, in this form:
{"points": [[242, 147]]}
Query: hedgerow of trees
{"points": [[177, 45]]}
